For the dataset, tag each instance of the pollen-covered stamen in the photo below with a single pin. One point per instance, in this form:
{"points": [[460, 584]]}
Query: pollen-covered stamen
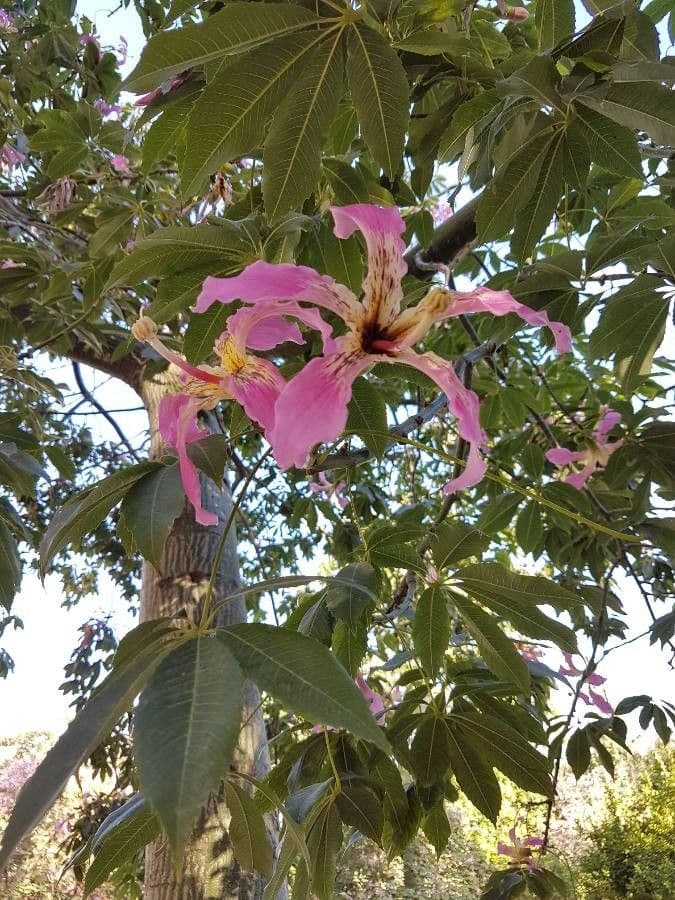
{"points": [[145, 330]]}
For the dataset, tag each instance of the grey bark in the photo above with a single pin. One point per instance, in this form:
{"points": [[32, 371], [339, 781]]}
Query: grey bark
{"points": [[210, 871]]}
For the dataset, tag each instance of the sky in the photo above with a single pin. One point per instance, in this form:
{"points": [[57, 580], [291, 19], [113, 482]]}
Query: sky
{"points": [[30, 698]]}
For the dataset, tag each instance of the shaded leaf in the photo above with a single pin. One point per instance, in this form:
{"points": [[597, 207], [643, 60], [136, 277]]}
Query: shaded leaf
{"points": [[368, 416], [431, 628], [149, 509], [247, 831]]}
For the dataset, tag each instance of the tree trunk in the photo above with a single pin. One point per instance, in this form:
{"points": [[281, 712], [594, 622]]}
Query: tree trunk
{"points": [[210, 871]]}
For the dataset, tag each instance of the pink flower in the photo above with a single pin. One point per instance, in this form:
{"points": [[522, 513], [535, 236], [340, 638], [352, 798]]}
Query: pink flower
{"points": [[107, 109], [120, 164], [520, 850], [90, 39], [122, 50], [375, 701], [593, 698], [513, 13], [10, 157], [333, 491], [11, 264], [7, 21], [313, 407], [592, 679], [166, 88], [253, 382], [595, 457], [529, 652]]}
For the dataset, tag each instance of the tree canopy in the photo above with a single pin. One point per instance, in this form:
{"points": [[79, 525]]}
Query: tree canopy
{"points": [[396, 276]]}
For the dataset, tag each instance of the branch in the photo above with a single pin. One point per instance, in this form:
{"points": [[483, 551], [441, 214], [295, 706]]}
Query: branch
{"points": [[450, 242], [86, 393]]}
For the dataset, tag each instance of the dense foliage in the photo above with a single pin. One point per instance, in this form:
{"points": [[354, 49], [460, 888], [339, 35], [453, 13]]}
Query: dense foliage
{"points": [[267, 135]]}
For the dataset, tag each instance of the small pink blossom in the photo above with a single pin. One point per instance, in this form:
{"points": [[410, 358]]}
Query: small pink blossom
{"points": [[332, 491], [441, 211], [107, 109], [312, 408], [592, 679], [122, 50], [120, 164], [166, 88], [7, 22], [432, 574], [512, 13], [595, 457], [520, 850], [11, 264], [10, 157], [90, 39], [530, 652], [375, 701]]}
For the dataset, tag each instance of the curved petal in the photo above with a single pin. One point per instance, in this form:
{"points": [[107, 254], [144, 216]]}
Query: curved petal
{"points": [[462, 403], [607, 422], [374, 700], [178, 427], [560, 456], [599, 701], [257, 387], [500, 303], [262, 281], [578, 479], [263, 326], [312, 408], [381, 228]]}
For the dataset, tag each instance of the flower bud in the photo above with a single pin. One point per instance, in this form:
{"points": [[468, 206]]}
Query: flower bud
{"points": [[144, 329]]}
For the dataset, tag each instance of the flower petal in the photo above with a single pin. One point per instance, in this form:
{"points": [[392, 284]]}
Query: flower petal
{"points": [[312, 408], [178, 427], [599, 701], [263, 326], [262, 281], [578, 479], [257, 387], [500, 303], [381, 228], [560, 456], [374, 699], [462, 403], [608, 421]]}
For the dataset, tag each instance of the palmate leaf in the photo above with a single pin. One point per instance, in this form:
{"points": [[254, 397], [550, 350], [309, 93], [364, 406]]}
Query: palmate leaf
{"points": [[238, 27], [611, 146], [149, 509], [292, 152], [379, 89], [89, 727], [323, 842], [230, 116], [304, 675], [368, 416], [162, 137], [533, 220], [496, 649], [473, 773], [431, 628], [85, 511], [554, 20], [185, 730], [247, 831], [646, 107]]}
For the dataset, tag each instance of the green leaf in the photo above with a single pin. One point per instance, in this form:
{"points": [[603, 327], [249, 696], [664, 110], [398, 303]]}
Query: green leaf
{"points": [[578, 752], [292, 153], [379, 88], [120, 844], [554, 20], [359, 807], [498, 513], [611, 146], [529, 527], [323, 842], [535, 217], [304, 675], [368, 416], [506, 749], [646, 107], [350, 644], [496, 649], [177, 248], [355, 591], [248, 832], [631, 328], [454, 541], [576, 155], [430, 750], [341, 259], [203, 330], [163, 135], [436, 827], [210, 454], [10, 567], [238, 27], [538, 79], [85, 511], [515, 597], [463, 124], [149, 509], [473, 773], [90, 726], [388, 545], [186, 727], [511, 189], [431, 628], [230, 116]]}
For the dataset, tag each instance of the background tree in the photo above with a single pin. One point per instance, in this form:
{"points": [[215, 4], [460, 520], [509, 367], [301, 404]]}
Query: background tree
{"points": [[255, 118]]}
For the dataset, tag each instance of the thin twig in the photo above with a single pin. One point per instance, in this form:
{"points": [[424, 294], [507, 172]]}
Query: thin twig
{"points": [[89, 397]]}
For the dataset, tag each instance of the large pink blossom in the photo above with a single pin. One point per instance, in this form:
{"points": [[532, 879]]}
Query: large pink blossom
{"points": [[313, 407], [593, 458], [332, 491], [250, 380]]}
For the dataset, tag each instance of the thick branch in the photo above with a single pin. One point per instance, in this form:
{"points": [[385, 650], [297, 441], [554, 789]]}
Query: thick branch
{"points": [[450, 242]]}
